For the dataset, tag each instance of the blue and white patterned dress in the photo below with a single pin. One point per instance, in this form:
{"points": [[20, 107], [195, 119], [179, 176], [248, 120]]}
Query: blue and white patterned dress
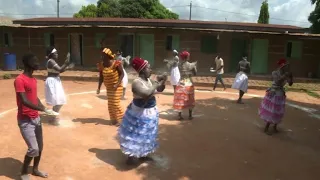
{"points": [[138, 131]]}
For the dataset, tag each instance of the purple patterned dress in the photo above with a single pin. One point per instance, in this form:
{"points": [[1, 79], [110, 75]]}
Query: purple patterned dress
{"points": [[272, 107]]}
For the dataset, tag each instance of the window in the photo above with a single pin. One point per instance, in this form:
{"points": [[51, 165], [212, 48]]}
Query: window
{"points": [[294, 49], [49, 39], [98, 38], [169, 43], [209, 44], [7, 40]]}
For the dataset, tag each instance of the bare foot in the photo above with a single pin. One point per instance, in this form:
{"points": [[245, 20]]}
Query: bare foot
{"points": [[275, 129], [240, 102], [25, 177], [40, 174], [224, 89], [144, 159], [98, 91], [190, 117]]}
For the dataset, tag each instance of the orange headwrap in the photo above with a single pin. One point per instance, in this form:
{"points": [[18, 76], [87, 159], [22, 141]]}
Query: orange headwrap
{"points": [[108, 52]]}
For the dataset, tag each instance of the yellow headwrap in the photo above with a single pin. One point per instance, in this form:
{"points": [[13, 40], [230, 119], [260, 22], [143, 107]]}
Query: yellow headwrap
{"points": [[108, 52]]}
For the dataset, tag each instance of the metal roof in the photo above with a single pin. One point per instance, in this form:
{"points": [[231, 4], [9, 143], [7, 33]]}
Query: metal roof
{"points": [[167, 23]]}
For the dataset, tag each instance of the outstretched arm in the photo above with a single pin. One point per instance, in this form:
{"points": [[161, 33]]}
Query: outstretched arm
{"points": [[52, 64]]}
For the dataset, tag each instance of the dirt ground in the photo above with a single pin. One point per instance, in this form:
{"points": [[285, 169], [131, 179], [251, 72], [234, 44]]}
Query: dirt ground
{"points": [[223, 142]]}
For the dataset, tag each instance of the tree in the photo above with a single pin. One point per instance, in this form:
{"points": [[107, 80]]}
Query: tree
{"points": [[87, 11], [151, 9], [314, 17], [108, 8], [264, 13]]}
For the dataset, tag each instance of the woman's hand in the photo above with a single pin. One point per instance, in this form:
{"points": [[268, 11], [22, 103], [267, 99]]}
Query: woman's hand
{"points": [[117, 85], [67, 61]]}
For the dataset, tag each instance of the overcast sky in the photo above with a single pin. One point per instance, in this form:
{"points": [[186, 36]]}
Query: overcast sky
{"points": [[293, 12]]}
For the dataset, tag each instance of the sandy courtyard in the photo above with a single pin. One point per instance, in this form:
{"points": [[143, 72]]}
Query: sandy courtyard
{"points": [[223, 142]]}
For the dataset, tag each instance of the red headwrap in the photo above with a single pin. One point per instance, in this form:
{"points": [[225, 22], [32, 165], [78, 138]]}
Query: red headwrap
{"points": [[184, 55], [282, 62], [139, 64]]}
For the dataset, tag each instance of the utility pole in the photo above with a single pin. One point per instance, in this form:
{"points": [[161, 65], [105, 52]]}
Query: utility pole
{"points": [[190, 10], [58, 8]]}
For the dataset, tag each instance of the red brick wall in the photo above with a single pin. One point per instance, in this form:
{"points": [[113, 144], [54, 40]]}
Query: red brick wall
{"points": [[189, 40]]}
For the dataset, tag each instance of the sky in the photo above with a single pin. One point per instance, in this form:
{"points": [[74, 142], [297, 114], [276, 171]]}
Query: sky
{"points": [[290, 12]]}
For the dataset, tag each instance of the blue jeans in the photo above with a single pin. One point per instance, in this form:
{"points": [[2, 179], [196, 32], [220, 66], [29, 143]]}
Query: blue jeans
{"points": [[218, 78]]}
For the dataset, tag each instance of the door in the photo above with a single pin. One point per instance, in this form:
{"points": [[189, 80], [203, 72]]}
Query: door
{"points": [[238, 49], [75, 48], [176, 42], [259, 57], [126, 44], [146, 47]]}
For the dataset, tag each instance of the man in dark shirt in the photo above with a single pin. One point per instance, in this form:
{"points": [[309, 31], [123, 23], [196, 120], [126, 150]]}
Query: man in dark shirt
{"points": [[28, 117]]}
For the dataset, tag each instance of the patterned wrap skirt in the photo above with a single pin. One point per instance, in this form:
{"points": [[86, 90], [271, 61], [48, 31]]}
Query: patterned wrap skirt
{"points": [[54, 92], [272, 107], [138, 131], [184, 96]]}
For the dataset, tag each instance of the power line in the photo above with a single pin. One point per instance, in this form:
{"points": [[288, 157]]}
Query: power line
{"points": [[190, 5], [253, 15]]}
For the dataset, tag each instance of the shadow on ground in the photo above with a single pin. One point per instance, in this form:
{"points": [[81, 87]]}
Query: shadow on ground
{"points": [[10, 168], [228, 143]]}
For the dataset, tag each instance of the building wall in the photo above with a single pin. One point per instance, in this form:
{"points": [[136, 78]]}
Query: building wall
{"points": [[25, 39]]}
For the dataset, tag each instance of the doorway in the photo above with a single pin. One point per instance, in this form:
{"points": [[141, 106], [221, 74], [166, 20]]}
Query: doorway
{"points": [[126, 44], [239, 47], [76, 48], [146, 47], [259, 58]]}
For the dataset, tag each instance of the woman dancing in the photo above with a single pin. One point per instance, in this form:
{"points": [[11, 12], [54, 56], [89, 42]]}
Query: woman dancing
{"points": [[125, 62], [54, 92], [272, 107], [139, 129], [241, 81], [173, 66], [112, 78], [184, 92]]}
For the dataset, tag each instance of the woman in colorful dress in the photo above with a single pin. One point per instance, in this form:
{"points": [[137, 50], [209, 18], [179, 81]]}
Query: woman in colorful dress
{"points": [[125, 63], [173, 66], [184, 92], [241, 81], [272, 107], [54, 92], [112, 79], [139, 129]]}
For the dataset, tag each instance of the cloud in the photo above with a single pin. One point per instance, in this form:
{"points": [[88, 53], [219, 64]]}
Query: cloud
{"points": [[294, 12]]}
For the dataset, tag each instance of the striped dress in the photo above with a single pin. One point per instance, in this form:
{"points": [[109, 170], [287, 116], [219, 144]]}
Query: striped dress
{"points": [[110, 78]]}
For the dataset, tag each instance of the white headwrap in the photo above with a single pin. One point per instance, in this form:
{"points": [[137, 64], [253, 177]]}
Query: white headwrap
{"points": [[175, 52]]}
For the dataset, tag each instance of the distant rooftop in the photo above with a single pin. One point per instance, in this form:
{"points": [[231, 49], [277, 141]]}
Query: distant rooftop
{"points": [[7, 21]]}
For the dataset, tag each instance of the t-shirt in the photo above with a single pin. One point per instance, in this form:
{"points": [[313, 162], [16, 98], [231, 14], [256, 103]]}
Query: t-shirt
{"points": [[219, 63], [27, 85]]}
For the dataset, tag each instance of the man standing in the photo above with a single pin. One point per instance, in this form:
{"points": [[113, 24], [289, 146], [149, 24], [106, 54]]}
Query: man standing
{"points": [[28, 117], [219, 71]]}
